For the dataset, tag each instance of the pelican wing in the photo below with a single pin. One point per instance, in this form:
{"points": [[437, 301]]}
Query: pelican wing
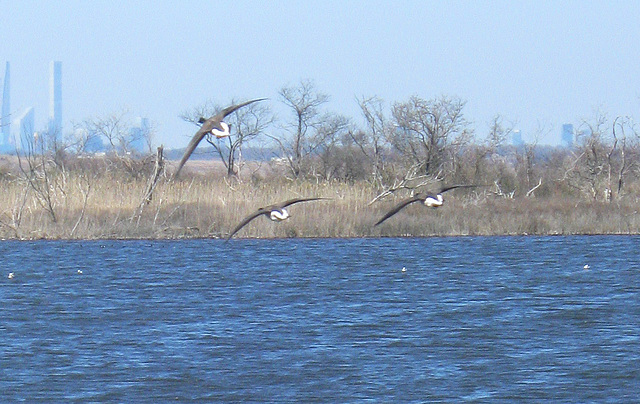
{"points": [[246, 220], [399, 207], [449, 188], [220, 115], [195, 140], [296, 200]]}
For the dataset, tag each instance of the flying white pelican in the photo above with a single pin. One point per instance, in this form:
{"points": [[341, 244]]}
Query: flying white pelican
{"points": [[213, 125], [276, 212], [428, 201]]}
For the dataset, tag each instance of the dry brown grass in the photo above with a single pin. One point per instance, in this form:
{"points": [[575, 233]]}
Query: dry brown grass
{"points": [[210, 206]]}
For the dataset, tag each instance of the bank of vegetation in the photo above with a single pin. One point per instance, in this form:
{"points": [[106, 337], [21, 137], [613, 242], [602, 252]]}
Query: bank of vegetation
{"points": [[59, 191]]}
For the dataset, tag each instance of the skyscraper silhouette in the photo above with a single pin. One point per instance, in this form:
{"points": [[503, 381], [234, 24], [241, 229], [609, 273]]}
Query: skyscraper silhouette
{"points": [[567, 135], [6, 111], [55, 100]]}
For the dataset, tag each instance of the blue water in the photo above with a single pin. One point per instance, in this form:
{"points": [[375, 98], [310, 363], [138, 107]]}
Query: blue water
{"points": [[477, 319]]}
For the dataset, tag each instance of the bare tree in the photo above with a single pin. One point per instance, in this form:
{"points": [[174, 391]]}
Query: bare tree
{"points": [[481, 158], [588, 167], [373, 140], [306, 133], [39, 171], [333, 134], [526, 159], [626, 148], [427, 129], [117, 132], [84, 139], [121, 139], [114, 129]]}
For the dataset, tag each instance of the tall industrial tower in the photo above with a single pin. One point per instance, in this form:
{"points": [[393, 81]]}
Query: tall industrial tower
{"points": [[55, 100], [6, 111]]}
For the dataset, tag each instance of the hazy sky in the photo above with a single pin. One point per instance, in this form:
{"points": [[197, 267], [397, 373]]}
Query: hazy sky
{"points": [[536, 63]]}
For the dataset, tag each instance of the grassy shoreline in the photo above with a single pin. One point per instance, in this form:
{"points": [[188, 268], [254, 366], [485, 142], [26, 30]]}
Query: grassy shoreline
{"points": [[106, 206]]}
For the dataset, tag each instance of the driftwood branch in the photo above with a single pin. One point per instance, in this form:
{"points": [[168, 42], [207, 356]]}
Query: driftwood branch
{"points": [[153, 182], [409, 177], [530, 192], [500, 192], [85, 196]]}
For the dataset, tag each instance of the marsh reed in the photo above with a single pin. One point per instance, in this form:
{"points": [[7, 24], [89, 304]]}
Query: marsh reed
{"points": [[107, 205]]}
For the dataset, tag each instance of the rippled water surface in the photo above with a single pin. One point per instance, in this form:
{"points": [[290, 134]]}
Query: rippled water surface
{"points": [[479, 319]]}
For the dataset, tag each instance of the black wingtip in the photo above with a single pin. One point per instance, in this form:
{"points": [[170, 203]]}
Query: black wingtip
{"points": [[175, 175], [449, 188], [254, 100], [230, 236]]}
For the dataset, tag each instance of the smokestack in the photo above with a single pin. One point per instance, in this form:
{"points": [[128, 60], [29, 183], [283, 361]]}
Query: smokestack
{"points": [[6, 109]]}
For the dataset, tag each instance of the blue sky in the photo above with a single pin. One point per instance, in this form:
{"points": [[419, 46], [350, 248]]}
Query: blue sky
{"points": [[536, 63]]}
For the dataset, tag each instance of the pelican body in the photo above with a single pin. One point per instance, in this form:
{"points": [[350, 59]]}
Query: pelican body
{"points": [[278, 215], [215, 126], [220, 131], [276, 212], [428, 201], [432, 202]]}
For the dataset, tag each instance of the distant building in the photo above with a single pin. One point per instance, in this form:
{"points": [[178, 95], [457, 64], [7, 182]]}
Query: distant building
{"points": [[566, 138], [516, 138], [26, 136], [5, 120], [94, 144], [88, 143], [138, 135], [55, 100]]}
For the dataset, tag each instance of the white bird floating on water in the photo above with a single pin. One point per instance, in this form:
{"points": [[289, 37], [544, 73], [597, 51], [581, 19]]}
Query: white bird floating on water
{"points": [[79, 271], [586, 266], [11, 275]]}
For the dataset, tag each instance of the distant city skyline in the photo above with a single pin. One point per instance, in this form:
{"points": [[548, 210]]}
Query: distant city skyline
{"points": [[20, 129], [139, 132], [538, 64], [21, 126]]}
